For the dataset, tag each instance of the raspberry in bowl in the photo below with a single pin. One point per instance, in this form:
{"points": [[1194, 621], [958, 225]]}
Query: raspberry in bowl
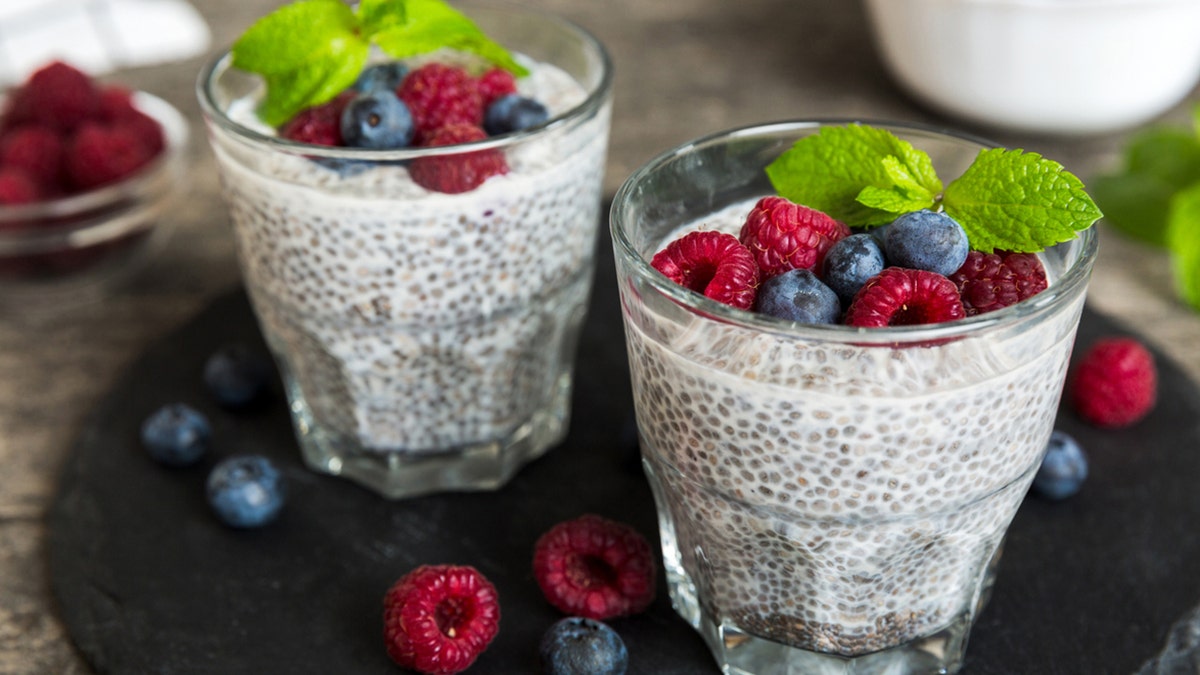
{"points": [[832, 491], [420, 279], [87, 171]]}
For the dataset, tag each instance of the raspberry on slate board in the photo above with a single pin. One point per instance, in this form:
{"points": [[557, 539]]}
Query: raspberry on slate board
{"points": [[439, 618]]}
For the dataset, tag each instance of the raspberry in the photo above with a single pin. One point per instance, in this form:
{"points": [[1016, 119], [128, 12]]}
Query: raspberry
{"points": [[784, 236], [438, 619], [1115, 383], [58, 96], [453, 174], [899, 296], [16, 187], [495, 83], [36, 150], [98, 155], [116, 108], [318, 125], [989, 281], [595, 568], [438, 95], [713, 263]]}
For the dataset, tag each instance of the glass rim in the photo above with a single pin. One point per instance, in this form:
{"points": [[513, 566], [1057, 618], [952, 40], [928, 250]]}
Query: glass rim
{"points": [[576, 115], [1072, 281]]}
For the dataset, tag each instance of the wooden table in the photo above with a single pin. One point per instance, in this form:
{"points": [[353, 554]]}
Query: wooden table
{"points": [[683, 69]]}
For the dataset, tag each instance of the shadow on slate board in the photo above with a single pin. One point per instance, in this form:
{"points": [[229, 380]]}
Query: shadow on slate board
{"points": [[148, 581]]}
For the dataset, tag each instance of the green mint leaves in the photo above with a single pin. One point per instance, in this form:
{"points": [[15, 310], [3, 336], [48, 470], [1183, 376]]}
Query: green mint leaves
{"points": [[311, 50], [865, 176], [1155, 198]]}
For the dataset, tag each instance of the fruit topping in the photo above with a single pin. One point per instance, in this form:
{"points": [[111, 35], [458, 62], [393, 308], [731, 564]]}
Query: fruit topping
{"points": [[494, 83], [377, 120], [440, 95], [579, 646], [176, 435], [595, 568], [715, 264], [1115, 383], [453, 174], [318, 125], [899, 296], [385, 76], [850, 262], [236, 376], [783, 236], [926, 240], [439, 618], [798, 295], [1063, 469], [246, 491], [989, 281], [513, 112], [99, 155]]}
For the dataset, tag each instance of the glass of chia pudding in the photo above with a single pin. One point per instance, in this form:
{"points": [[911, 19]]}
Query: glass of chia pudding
{"points": [[831, 498], [425, 330]]}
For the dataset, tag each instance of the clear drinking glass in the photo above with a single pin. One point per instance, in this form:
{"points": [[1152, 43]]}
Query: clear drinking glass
{"points": [[830, 499], [425, 339]]}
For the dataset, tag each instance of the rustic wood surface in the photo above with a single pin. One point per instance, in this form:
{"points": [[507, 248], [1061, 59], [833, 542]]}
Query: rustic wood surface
{"points": [[684, 68]]}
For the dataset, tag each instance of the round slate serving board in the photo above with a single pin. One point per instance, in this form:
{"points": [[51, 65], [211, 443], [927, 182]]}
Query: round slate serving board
{"points": [[148, 581]]}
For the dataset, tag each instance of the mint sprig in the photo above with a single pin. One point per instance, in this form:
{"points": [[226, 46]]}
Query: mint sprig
{"points": [[866, 176], [1183, 239], [311, 50]]}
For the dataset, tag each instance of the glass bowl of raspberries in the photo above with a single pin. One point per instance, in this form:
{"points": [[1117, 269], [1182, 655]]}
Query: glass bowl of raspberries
{"points": [[87, 170]]}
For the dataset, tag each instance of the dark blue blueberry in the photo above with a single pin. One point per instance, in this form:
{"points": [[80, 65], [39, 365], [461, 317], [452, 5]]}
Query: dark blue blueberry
{"points": [[236, 376], [850, 262], [925, 240], [513, 112], [176, 435], [246, 491], [1063, 470], [377, 120], [579, 646], [381, 77], [798, 295]]}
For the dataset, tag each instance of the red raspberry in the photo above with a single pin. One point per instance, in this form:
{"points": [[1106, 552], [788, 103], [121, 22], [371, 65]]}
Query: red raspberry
{"points": [[453, 174], [438, 95], [713, 263], [57, 95], [318, 125], [595, 568], [438, 619], [495, 83], [899, 296], [1115, 383], [36, 150], [116, 108], [16, 187], [989, 281], [98, 155], [784, 236]]}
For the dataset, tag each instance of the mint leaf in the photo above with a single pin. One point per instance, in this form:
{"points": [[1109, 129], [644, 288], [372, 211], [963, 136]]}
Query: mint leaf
{"points": [[1158, 163], [1018, 201], [829, 170], [379, 15], [1183, 240], [432, 24]]}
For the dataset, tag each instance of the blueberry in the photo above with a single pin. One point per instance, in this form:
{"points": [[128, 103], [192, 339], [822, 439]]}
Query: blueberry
{"points": [[236, 376], [381, 77], [850, 262], [925, 240], [579, 646], [513, 112], [1063, 470], [246, 491], [798, 295], [176, 435], [377, 120]]}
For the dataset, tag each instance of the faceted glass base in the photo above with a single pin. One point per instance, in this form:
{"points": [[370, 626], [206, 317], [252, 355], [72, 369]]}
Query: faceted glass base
{"points": [[400, 474]]}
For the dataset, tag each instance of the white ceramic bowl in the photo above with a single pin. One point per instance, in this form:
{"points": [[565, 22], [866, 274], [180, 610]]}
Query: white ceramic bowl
{"points": [[1048, 66]]}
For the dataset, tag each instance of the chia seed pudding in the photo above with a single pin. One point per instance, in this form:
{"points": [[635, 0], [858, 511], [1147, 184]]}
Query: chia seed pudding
{"points": [[411, 324], [834, 490]]}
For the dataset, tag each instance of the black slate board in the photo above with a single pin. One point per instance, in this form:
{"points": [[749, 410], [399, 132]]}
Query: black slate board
{"points": [[148, 581]]}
